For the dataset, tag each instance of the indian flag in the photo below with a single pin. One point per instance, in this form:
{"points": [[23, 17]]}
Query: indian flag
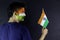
{"points": [[43, 21]]}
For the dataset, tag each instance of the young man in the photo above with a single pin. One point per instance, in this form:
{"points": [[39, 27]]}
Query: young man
{"points": [[13, 30]]}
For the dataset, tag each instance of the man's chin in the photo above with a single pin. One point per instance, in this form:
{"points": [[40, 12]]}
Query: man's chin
{"points": [[21, 20]]}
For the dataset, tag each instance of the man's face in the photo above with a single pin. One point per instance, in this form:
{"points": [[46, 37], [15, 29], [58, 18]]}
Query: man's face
{"points": [[20, 14]]}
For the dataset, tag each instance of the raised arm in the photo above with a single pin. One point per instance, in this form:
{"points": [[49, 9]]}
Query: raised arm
{"points": [[44, 33]]}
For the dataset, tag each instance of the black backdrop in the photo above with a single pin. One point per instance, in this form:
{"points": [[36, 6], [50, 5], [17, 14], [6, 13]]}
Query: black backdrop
{"points": [[52, 9]]}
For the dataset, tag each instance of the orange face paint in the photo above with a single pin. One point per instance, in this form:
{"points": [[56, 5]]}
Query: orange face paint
{"points": [[21, 10]]}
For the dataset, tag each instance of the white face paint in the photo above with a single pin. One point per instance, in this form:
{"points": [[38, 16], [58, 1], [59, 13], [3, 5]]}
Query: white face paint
{"points": [[20, 17], [22, 14]]}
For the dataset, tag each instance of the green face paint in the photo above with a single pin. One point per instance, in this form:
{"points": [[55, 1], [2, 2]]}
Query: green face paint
{"points": [[20, 18]]}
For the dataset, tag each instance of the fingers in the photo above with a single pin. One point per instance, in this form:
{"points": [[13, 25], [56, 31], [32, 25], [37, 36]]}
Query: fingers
{"points": [[44, 31]]}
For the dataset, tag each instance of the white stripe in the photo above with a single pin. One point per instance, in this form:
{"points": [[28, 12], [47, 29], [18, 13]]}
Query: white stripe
{"points": [[43, 21], [22, 14]]}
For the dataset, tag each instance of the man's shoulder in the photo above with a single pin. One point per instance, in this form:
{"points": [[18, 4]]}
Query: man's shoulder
{"points": [[3, 26]]}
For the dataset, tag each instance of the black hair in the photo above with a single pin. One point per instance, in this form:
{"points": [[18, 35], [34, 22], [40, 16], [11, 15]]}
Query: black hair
{"points": [[14, 7]]}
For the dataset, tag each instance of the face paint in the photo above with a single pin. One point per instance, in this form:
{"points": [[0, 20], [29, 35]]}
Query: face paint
{"points": [[20, 17]]}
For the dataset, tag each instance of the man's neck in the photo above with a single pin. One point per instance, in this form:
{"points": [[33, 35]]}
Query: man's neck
{"points": [[11, 20]]}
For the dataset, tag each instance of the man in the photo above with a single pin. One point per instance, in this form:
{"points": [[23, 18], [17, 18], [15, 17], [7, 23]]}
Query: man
{"points": [[13, 30]]}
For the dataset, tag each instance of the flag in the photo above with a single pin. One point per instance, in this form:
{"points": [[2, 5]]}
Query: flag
{"points": [[43, 21]]}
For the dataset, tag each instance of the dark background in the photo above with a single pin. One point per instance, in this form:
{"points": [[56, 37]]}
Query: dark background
{"points": [[34, 7]]}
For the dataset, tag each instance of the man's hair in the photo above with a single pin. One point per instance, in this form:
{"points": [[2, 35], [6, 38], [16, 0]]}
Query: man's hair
{"points": [[14, 7]]}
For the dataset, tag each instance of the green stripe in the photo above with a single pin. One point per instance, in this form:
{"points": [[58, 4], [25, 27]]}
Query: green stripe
{"points": [[46, 23]]}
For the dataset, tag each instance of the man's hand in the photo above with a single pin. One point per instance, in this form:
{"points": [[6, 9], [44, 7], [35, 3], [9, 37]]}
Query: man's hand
{"points": [[44, 33]]}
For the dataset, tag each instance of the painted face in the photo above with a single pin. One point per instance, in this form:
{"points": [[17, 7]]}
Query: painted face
{"points": [[20, 14], [20, 17]]}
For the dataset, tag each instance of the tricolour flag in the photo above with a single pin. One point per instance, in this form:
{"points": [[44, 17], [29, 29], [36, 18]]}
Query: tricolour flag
{"points": [[43, 21]]}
